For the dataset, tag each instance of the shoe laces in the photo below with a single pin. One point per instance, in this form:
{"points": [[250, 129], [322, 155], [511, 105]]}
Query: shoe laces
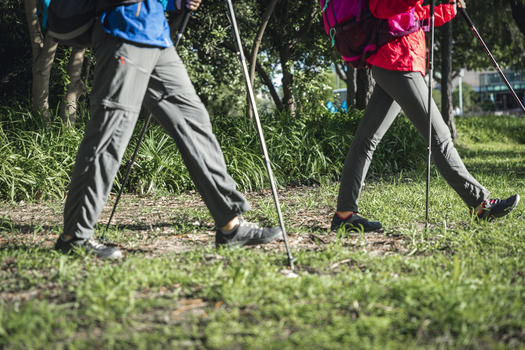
{"points": [[93, 243], [249, 224], [487, 204], [490, 202]]}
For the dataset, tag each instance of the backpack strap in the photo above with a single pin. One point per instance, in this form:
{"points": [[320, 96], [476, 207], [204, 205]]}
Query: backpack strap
{"points": [[325, 6], [333, 30]]}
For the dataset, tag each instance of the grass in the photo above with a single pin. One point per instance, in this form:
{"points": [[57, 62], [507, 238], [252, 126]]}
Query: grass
{"points": [[458, 284], [36, 160]]}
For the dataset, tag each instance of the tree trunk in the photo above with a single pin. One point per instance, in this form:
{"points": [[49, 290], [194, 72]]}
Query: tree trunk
{"points": [[347, 73], [364, 84], [255, 48], [33, 24], [288, 98], [447, 109], [41, 73], [518, 13], [68, 109], [265, 78], [268, 82], [351, 88], [43, 53]]}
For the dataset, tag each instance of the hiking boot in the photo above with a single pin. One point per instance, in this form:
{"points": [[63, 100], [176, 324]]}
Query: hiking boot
{"points": [[90, 246], [496, 208], [354, 222], [247, 233]]}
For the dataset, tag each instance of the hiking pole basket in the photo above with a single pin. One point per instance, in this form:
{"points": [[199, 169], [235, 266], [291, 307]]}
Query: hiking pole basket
{"points": [[259, 127], [487, 51], [186, 17], [430, 75]]}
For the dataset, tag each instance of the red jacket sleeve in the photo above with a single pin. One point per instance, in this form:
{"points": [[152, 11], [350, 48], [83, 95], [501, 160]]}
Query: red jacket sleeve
{"points": [[388, 8], [443, 13]]}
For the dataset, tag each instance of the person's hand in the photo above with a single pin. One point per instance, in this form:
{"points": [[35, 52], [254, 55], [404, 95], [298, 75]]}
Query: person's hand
{"points": [[459, 4], [192, 5]]}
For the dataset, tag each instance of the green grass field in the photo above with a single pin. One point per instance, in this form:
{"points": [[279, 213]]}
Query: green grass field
{"points": [[457, 284]]}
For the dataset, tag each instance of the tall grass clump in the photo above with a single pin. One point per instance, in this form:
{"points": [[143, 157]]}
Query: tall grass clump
{"points": [[36, 159], [158, 167], [311, 148]]}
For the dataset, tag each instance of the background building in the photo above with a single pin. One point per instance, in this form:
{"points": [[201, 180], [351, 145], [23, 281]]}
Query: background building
{"points": [[489, 86]]}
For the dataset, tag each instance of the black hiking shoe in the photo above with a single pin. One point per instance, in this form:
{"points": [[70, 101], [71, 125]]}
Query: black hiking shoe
{"points": [[496, 208], [92, 246], [354, 222], [247, 233]]}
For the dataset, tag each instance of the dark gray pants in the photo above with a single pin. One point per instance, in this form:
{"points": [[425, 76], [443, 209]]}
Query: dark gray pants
{"points": [[126, 75], [407, 91]]}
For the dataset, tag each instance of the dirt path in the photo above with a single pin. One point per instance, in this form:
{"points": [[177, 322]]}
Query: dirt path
{"points": [[165, 225]]}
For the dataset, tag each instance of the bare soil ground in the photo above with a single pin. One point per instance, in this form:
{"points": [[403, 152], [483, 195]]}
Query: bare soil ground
{"points": [[164, 225]]}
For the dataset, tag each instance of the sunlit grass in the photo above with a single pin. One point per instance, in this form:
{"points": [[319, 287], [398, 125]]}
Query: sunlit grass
{"points": [[457, 284]]}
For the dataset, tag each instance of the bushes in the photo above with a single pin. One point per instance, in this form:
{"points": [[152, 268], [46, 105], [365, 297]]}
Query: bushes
{"points": [[36, 161], [312, 149]]}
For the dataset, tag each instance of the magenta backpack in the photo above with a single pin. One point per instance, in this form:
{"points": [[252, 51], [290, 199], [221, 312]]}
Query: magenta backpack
{"points": [[357, 34]]}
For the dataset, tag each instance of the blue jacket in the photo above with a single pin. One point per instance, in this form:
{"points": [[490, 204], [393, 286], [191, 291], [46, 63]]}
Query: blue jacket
{"points": [[143, 22]]}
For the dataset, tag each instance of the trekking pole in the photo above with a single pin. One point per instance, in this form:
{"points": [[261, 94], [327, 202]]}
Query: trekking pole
{"points": [[487, 51], [430, 75], [182, 28], [259, 128]]}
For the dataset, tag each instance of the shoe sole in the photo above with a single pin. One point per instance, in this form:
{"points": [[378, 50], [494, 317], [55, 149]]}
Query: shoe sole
{"points": [[357, 228], [70, 249], [231, 244]]}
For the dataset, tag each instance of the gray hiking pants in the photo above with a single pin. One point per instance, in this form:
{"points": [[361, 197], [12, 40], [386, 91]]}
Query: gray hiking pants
{"points": [[126, 75], [408, 91]]}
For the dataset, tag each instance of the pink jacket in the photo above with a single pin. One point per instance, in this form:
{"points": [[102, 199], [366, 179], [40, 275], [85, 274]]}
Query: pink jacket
{"points": [[407, 53]]}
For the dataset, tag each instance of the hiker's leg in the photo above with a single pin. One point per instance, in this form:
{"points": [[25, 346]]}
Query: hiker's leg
{"points": [[175, 104], [380, 112], [121, 77], [410, 90]]}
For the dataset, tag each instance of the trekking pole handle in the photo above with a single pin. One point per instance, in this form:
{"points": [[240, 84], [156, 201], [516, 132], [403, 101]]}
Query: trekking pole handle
{"points": [[487, 51], [185, 19]]}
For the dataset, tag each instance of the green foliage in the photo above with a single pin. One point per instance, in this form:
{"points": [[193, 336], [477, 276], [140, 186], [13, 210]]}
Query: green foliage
{"points": [[496, 25], [209, 52], [36, 162], [15, 50], [312, 93]]}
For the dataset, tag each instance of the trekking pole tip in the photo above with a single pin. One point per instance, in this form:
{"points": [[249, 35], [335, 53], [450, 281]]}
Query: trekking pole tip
{"points": [[289, 273]]}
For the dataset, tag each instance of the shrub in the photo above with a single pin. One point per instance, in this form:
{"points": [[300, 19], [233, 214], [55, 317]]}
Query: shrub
{"points": [[36, 160]]}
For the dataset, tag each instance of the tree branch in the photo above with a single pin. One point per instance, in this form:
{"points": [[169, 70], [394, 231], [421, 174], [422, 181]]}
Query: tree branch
{"points": [[257, 43]]}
